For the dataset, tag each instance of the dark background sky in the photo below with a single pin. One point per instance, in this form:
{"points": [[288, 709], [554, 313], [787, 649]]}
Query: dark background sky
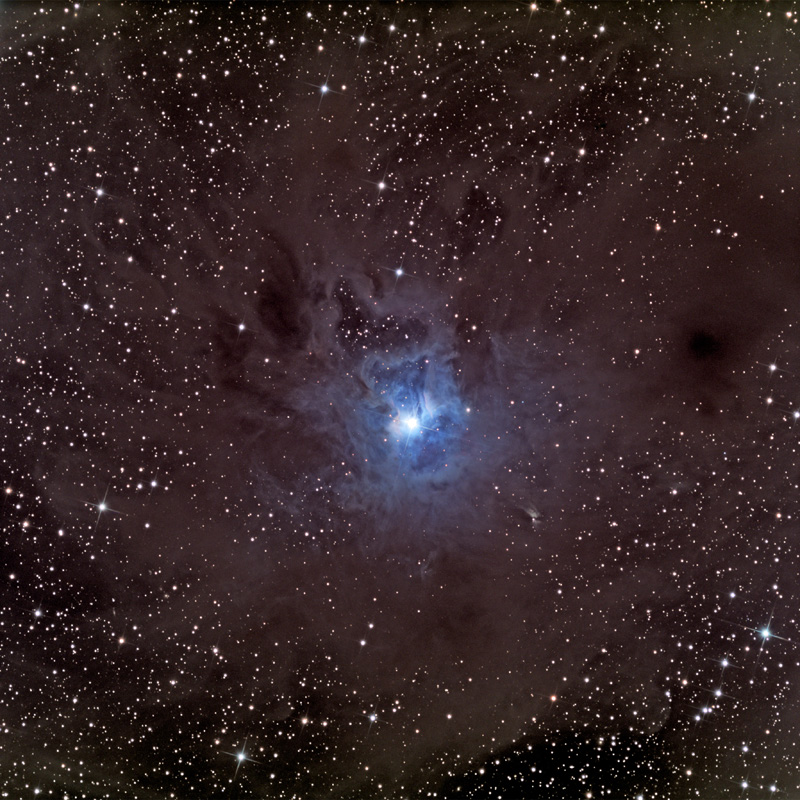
{"points": [[517, 521]]}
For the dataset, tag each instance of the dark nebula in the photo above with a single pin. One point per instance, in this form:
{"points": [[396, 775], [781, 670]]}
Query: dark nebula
{"points": [[399, 401]]}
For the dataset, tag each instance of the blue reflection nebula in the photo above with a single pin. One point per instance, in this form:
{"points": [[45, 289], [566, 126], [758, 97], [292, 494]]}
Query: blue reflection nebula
{"points": [[420, 410], [408, 461]]}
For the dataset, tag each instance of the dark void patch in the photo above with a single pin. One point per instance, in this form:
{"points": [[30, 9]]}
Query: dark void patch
{"points": [[704, 346]]}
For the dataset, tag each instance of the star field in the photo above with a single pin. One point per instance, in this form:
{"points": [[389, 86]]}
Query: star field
{"points": [[399, 401]]}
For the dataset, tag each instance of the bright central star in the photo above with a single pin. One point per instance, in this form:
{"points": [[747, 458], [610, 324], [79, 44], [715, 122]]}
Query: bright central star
{"points": [[412, 423]]}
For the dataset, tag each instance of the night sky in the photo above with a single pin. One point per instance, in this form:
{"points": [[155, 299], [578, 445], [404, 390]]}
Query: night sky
{"points": [[400, 401]]}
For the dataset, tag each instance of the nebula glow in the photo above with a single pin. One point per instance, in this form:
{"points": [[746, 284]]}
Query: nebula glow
{"points": [[407, 436], [425, 413]]}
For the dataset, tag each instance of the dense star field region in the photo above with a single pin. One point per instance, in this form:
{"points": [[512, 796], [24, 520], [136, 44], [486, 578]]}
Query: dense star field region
{"points": [[399, 401]]}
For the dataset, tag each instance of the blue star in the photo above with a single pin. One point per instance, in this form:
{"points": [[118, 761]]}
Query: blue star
{"points": [[411, 423]]}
